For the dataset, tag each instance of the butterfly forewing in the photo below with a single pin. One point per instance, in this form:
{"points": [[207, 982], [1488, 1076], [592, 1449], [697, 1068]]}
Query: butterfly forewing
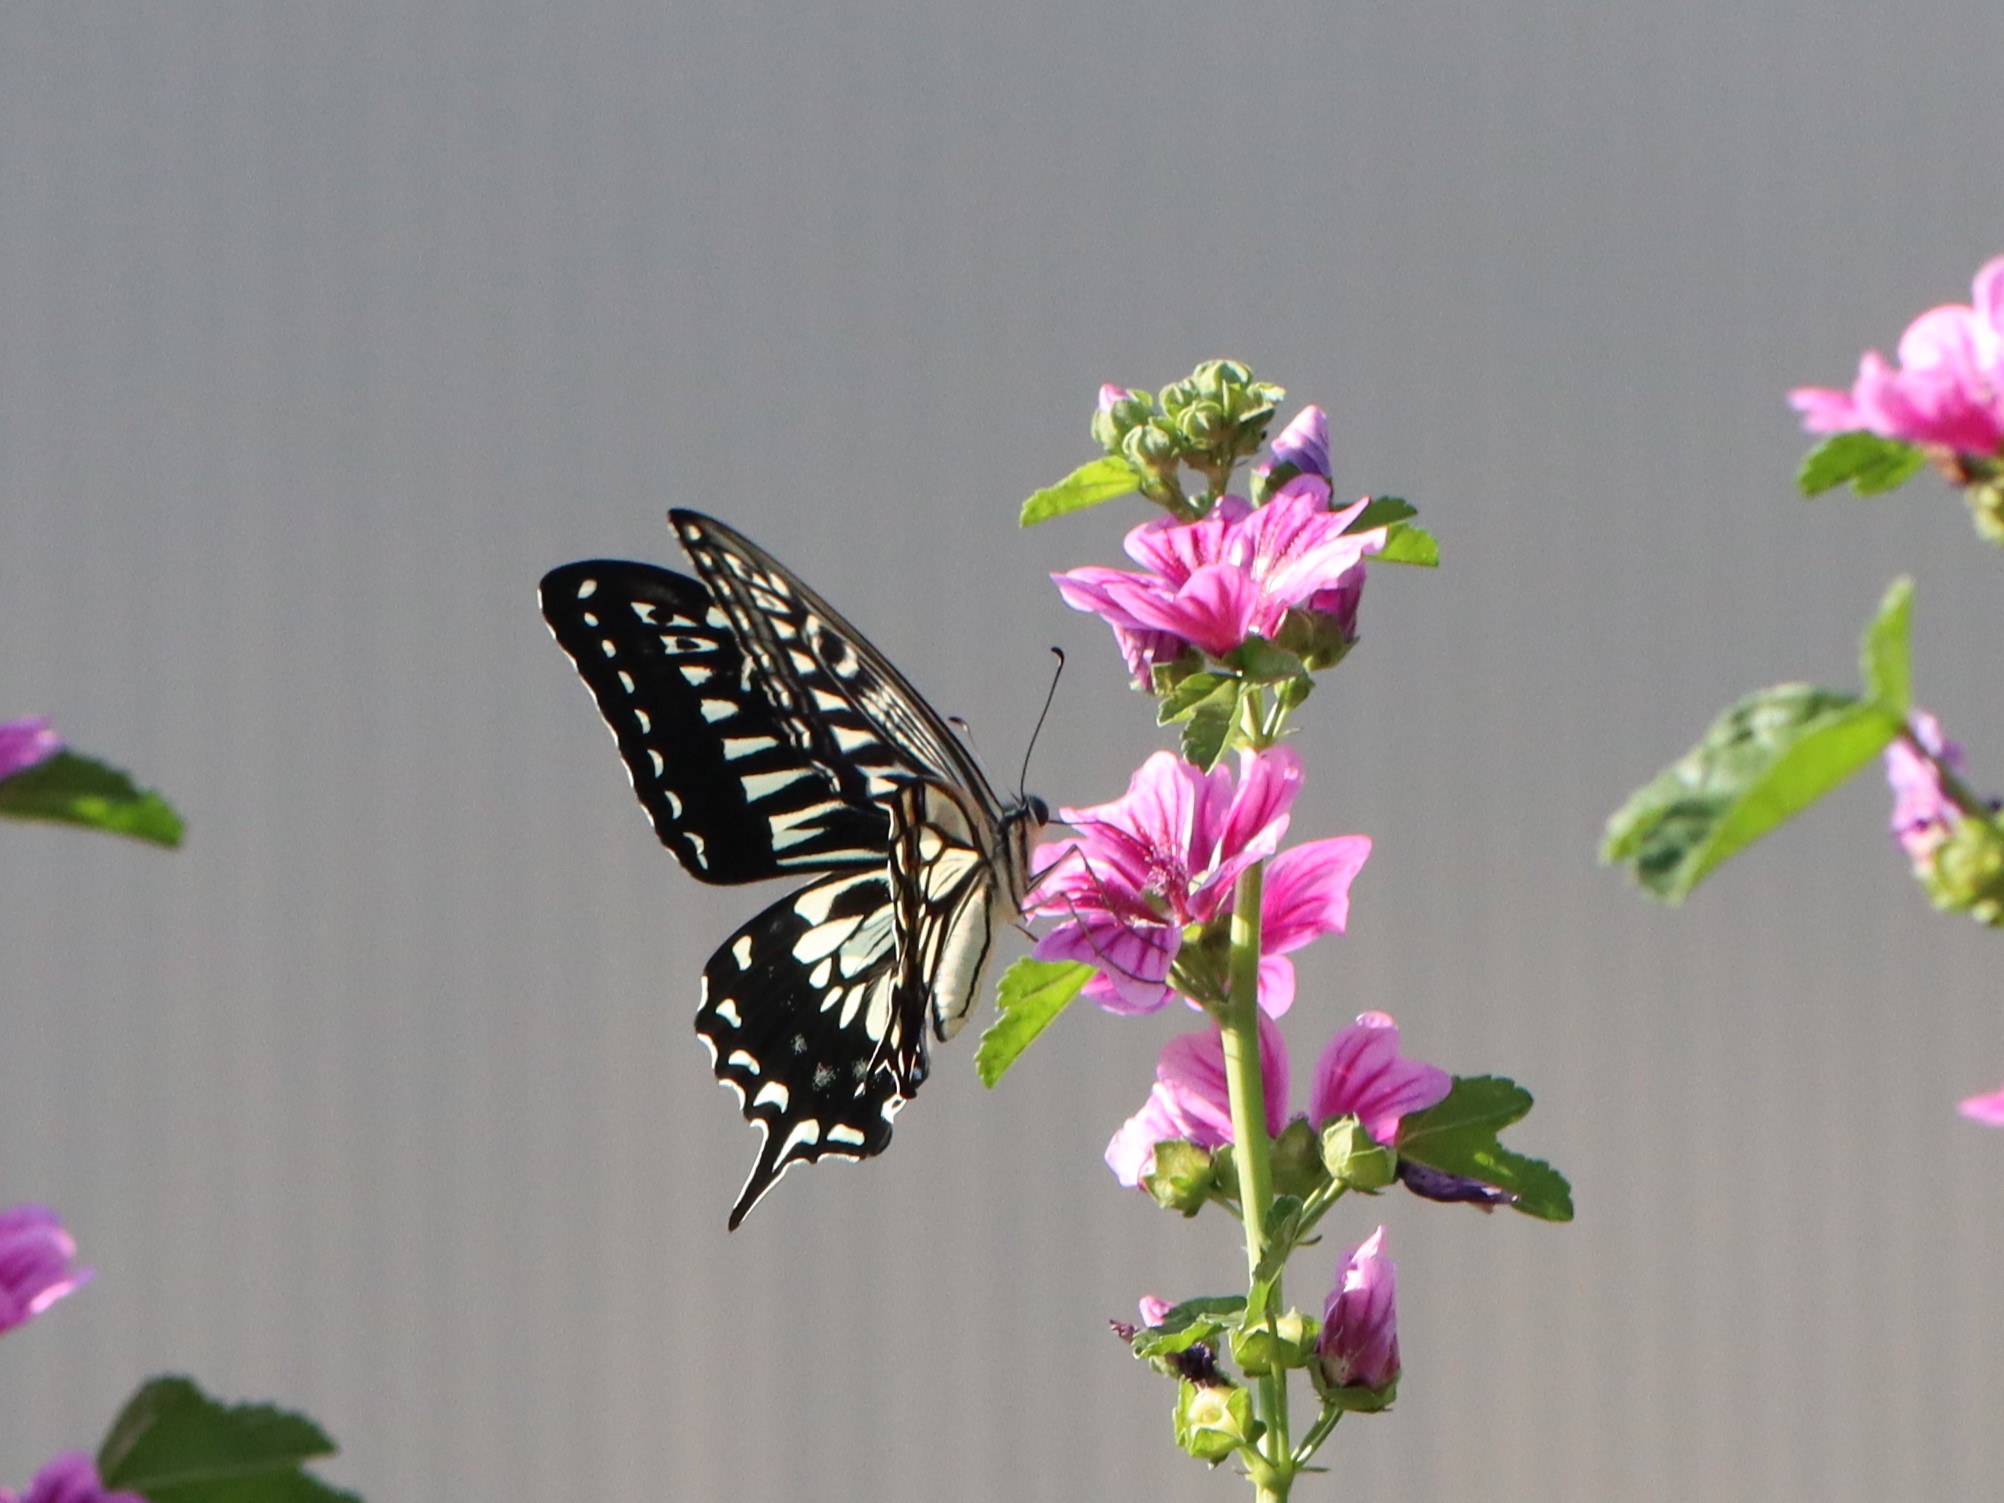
{"points": [[729, 790]]}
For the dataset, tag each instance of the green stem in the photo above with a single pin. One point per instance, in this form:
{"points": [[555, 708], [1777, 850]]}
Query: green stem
{"points": [[1252, 1152]]}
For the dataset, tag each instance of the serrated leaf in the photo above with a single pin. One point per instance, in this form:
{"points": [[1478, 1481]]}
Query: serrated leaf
{"points": [[1102, 479], [174, 1444], [1767, 757], [1030, 996], [1182, 698], [1406, 544], [1202, 1319], [1381, 511], [1208, 729], [73, 790], [1884, 656], [1459, 1136], [1872, 464]]}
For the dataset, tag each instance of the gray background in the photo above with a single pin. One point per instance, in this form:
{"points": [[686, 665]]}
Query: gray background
{"points": [[324, 330]]}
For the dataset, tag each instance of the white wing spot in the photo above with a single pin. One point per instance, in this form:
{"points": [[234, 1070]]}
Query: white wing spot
{"points": [[739, 1060], [842, 1132], [697, 675], [773, 1093], [605, 646], [741, 951], [591, 618], [644, 610], [824, 1077], [744, 746], [728, 1011], [646, 721], [719, 709], [587, 588], [660, 766], [626, 681], [758, 785]]}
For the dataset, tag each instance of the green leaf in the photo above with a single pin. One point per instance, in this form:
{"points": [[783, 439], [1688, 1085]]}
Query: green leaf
{"points": [[1202, 1319], [1872, 464], [1260, 662], [1883, 656], [1101, 479], [1031, 994], [174, 1444], [1406, 544], [1381, 511], [72, 790], [1767, 757], [1459, 1136], [1210, 727], [1181, 699]]}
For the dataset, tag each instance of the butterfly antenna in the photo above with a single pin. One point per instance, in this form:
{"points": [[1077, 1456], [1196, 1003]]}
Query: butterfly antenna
{"points": [[1023, 778]]}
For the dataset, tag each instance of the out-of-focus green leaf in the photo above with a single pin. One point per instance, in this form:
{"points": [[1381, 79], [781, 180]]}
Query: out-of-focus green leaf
{"points": [[1381, 511], [1872, 464], [1098, 480], [73, 790], [1767, 757], [1884, 657], [174, 1444]]}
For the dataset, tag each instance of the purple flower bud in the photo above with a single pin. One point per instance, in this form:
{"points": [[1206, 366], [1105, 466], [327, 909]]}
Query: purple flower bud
{"points": [[1304, 443], [1111, 396], [1359, 1345], [23, 743], [69, 1478], [35, 1264], [1153, 1309]]}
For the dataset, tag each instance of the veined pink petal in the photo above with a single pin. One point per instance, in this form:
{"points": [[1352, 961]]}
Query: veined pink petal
{"points": [[1269, 783], [1213, 609], [1307, 892], [1276, 985], [1361, 1074], [37, 1258], [1132, 960]]}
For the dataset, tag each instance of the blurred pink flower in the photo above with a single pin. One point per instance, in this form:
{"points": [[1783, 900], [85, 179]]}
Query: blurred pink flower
{"points": [[1303, 443], [1361, 1074], [1359, 1344], [1989, 1110], [70, 1478], [1154, 1308], [1923, 815], [1947, 390], [1190, 1100], [36, 1255], [23, 743]]}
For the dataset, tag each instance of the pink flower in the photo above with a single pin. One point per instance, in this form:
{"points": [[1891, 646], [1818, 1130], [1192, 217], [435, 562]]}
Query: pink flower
{"points": [[1143, 868], [35, 1264], [1359, 1344], [70, 1478], [1235, 574], [1923, 814], [1190, 1100], [23, 743], [1154, 1309], [1362, 1075], [1948, 389], [1989, 1110]]}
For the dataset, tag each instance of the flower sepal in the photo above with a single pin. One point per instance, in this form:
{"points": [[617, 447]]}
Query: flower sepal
{"points": [[1354, 1159], [1213, 1422], [1280, 1345], [1986, 505], [1352, 1398], [1297, 1161], [1183, 1177]]}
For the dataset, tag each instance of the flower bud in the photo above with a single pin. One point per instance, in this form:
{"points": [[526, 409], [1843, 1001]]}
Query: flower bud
{"points": [[1211, 1423], [1120, 411], [1359, 1345], [1276, 1348], [1354, 1158]]}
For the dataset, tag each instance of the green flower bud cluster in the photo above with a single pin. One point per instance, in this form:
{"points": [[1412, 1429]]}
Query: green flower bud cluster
{"points": [[1966, 872], [1208, 422]]}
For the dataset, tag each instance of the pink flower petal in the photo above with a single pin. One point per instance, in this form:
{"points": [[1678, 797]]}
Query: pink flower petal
{"points": [[1307, 892], [1989, 1110], [1361, 1074]]}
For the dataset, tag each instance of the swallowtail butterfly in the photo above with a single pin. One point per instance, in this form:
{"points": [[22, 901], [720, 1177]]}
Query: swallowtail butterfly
{"points": [[766, 737]]}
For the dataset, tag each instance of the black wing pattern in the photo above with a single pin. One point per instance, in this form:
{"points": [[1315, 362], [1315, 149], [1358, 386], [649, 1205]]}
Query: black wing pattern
{"points": [[765, 735]]}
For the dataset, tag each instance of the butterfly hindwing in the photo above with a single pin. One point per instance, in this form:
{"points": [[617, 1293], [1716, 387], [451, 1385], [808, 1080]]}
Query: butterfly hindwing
{"points": [[729, 791], [800, 1014]]}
